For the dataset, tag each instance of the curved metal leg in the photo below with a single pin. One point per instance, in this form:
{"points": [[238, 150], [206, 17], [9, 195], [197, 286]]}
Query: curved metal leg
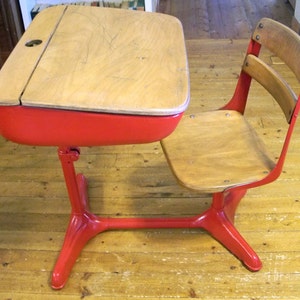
{"points": [[218, 221], [83, 225], [81, 229], [231, 202]]}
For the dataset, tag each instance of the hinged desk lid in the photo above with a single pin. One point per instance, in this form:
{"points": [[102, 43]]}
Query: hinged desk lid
{"points": [[99, 59]]}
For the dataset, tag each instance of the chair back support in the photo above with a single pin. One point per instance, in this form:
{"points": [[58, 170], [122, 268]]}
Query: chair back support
{"points": [[280, 40], [285, 44], [272, 82]]}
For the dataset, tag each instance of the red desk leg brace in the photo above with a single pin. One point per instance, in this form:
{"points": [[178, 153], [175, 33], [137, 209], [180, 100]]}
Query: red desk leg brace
{"points": [[83, 225]]}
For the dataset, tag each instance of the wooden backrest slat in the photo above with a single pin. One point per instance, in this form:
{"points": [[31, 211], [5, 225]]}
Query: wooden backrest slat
{"points": [[282, 41], [272, 82]]}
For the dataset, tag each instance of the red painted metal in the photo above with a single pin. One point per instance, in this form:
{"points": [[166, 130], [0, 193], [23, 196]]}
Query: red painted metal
{"points": [[57, 127], [239, 99], [83, 225]]}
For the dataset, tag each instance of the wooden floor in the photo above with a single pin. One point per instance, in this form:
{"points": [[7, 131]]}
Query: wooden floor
{"points": [[225, 19], [135, 180]]}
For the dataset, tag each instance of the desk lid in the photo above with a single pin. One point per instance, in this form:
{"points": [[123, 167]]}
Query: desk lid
{"points": [[99, 59]]}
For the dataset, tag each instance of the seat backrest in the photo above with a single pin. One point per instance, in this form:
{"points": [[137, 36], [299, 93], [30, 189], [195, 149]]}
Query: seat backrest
{"points": [[272, 82], [285, 44], [280, 40]]}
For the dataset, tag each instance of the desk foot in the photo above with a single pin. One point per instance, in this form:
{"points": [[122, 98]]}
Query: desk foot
{"points": [[83, 225], [218, 221]]}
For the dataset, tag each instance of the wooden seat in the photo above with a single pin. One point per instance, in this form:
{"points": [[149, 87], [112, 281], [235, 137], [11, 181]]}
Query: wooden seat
{"points": [[238, 160], [219, 152]]}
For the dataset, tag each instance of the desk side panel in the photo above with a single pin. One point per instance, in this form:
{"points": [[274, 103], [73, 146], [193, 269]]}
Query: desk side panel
{"points": [[57, 127]]}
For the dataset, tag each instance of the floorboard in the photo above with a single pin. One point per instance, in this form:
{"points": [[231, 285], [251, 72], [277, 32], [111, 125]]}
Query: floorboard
{"points": [[231, 19]]}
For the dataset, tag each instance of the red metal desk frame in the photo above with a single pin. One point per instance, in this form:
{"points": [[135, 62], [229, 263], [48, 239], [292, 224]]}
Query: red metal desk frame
{"points": [[84, 225], [44, 125]]}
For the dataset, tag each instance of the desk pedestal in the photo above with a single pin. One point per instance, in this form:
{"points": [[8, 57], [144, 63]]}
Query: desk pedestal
{"points": [[83, 225]]}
